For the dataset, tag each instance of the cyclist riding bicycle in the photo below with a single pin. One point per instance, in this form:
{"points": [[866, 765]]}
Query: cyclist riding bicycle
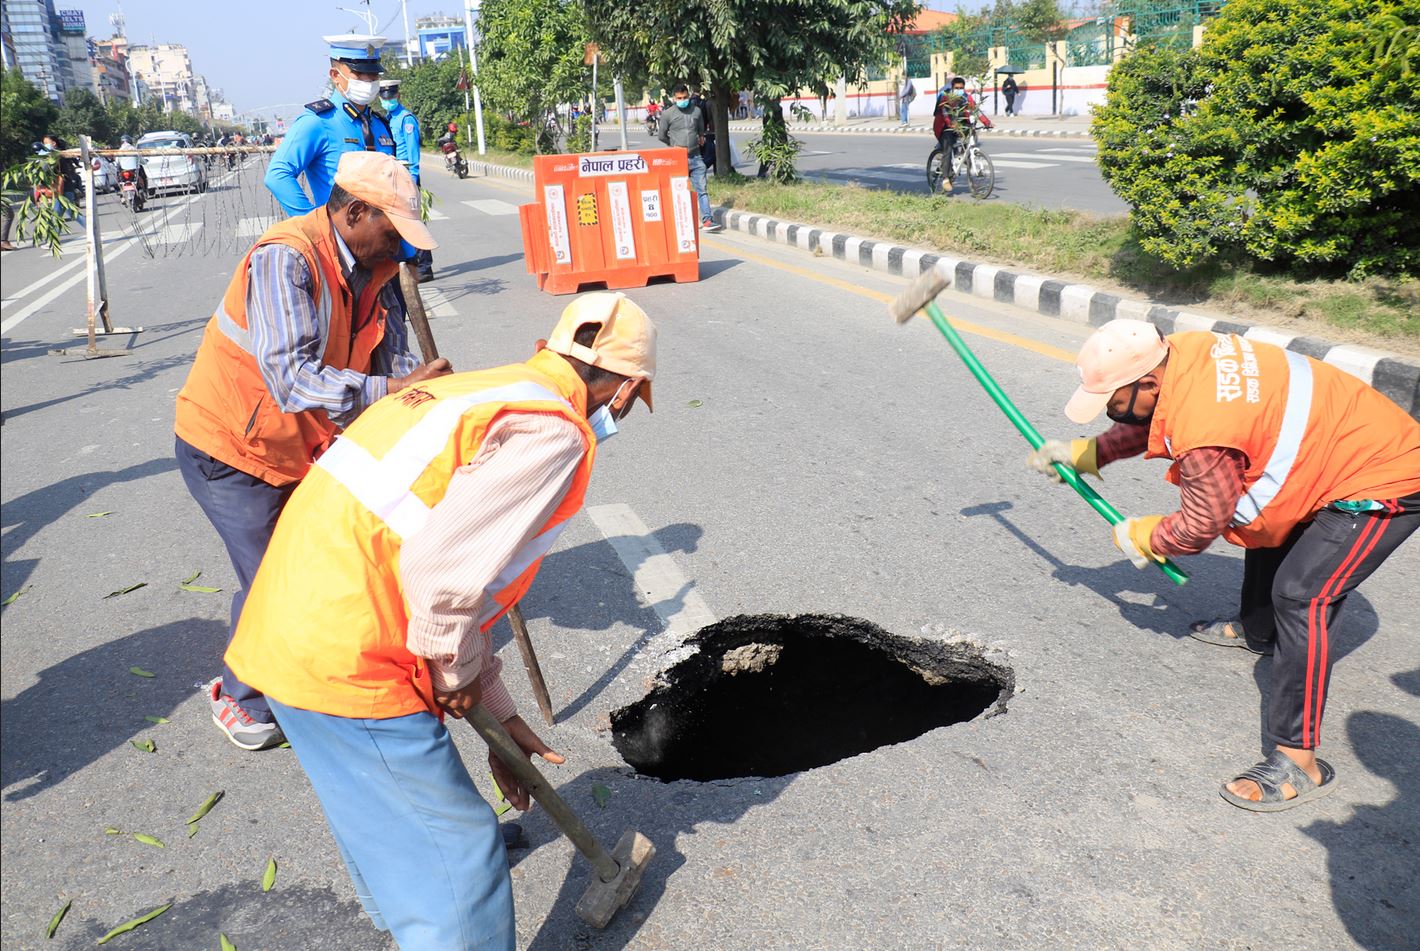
{"points": [[956, 111]]}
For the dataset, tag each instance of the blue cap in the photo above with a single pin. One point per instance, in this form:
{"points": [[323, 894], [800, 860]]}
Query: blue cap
{"points": [[360, 51]]}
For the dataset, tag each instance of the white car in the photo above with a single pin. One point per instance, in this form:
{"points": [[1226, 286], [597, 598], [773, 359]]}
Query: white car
{"points": [[105, 175], [174, 171]]}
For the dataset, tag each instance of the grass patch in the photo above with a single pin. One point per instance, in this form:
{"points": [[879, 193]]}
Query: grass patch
{"points": [[1092, 248]]}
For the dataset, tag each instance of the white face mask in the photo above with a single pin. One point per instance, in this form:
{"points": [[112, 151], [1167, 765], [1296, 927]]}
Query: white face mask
{"points": [[603, 421], [362, 92]]}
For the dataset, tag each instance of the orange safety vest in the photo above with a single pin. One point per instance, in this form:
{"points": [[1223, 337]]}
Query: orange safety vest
{"points": [[324, 626], [1312, 434], [224, 408]]}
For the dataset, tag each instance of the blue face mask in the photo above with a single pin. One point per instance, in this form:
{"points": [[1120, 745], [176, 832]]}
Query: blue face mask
{"points": [[603, 424], [389, 104], [682, 103]]}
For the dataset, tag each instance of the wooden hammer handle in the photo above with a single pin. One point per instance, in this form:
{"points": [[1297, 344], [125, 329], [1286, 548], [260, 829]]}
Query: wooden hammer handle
{"points": [[414, 305]]}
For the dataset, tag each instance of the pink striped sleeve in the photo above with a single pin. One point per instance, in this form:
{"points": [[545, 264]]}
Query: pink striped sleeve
{"points": [[494, 505]]}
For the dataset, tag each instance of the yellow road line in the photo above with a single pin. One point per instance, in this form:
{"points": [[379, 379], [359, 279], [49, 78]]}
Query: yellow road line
{"points": [[965, 326]]}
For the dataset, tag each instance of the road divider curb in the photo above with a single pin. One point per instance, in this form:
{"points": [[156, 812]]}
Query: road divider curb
{"points": [[480, 167], [896, 129]]}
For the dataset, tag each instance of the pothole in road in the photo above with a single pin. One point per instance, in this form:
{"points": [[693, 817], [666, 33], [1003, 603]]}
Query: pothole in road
{"points": [[767, 695]]}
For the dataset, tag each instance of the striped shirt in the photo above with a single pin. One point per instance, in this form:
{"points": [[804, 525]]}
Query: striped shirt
{"points": [[286, 337], [493, 507], [1210, 485]]}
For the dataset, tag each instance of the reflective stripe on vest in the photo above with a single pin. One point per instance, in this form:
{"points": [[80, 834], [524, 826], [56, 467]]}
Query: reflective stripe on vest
{"points": [[241, 336], [385, 486], [1289, 442]]}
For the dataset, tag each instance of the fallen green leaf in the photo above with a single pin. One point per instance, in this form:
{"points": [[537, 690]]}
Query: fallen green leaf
{"points": [[132, 587], [500, 801], [226, 942], [12, 598], [98, 514], [112, 831], [147, 746], [191, 578], [695, 404], [130, 925], [191, 829], [58, 917], [268, 878], [147, 839], [600, 795], [206, 806], [199, 588], [141, 672], [284, 745], [159, 720]]}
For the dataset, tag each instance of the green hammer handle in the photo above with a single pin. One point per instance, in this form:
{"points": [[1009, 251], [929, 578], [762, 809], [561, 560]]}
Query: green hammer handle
{"points": [[1068, 473]]}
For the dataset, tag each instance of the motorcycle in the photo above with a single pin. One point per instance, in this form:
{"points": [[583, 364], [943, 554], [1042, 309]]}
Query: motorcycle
{"points": [[454, 160], [130, 188], [651, 121]]}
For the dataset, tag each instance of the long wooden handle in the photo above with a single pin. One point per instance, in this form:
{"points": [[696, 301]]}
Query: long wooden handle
{"points": [[530, 664], [516, 760], [414, 305]]}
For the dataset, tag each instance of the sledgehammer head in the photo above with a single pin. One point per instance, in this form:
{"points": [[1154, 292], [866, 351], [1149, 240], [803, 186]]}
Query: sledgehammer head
{"points": [[919, 294], [602, 899]]}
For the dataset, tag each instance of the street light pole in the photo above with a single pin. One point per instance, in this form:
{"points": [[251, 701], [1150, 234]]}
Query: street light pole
{"points": [[404, 11], [470, 8]]}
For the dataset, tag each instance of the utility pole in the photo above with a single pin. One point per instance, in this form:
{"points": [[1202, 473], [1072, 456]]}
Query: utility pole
{"points": [[471, 8], [620, 109], [408, 56]]}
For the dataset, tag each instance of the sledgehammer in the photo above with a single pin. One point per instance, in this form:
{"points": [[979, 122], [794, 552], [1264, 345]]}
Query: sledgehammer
{"points": [[921, 294], [615, 876]]}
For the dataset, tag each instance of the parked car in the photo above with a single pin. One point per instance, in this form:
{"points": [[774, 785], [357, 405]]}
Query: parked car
{"points": [[105, 175], [172, 172]]}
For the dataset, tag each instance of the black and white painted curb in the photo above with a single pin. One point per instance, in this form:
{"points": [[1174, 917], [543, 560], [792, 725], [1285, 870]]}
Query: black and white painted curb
{"points": [[1391, 374], [894, 128], [480, 167]]}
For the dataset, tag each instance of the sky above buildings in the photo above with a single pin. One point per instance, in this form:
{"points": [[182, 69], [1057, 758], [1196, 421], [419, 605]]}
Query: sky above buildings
{"points": [[260, 53]]}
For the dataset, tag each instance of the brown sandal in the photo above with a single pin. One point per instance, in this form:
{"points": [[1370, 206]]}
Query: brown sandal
{"points": [[1228, 634]]}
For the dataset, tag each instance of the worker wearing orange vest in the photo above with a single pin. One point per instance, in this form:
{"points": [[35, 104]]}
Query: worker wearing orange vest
{"points": [[370, 617], [307, 335], [1312, 471]]}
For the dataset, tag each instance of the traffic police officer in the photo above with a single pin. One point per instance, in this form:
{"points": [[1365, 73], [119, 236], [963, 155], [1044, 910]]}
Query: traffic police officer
{"points": [[331, 127], [405, 127]]}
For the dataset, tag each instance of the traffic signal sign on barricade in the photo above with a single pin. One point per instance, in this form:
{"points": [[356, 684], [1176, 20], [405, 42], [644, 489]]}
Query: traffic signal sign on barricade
{"points": [[612, 218]]}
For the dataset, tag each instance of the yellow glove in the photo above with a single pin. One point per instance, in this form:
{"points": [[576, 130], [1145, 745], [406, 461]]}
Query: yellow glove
{"points": [[1131, 536], [1079, 453]]}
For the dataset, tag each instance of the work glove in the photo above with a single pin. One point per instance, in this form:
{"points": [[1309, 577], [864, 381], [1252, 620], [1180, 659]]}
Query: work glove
{"points": [[1079, 453], [1131, 536]]}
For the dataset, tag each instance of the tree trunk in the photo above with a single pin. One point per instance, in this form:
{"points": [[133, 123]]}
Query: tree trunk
{"points": [[722, 130]]}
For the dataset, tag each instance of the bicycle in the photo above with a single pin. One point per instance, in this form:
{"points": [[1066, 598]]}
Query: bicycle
{"points": [[967, 159]]}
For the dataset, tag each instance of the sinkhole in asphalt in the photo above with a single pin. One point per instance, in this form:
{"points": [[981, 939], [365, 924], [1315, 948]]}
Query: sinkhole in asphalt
{"points": [[768, 695]]}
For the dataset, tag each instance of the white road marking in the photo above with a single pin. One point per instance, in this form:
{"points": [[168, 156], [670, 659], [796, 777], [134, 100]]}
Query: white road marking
{"points": [[1008, 163], [657, 577], [255, 227], [1072, 148], [436, 303], [492, 206], [26, 291], [179, 233], [1089, 160], [437, 215]]}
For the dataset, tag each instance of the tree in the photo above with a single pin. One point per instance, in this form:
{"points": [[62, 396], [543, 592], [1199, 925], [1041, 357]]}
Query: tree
{"points": [[83, 114], [531, 56], [28, 115], [747, 44], [1280, 140], [430, 90]]}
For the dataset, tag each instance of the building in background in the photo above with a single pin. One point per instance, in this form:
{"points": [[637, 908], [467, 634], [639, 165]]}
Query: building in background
{"points": [[166, 71], [111, 79], [76, 66], [439, 35], [33, 31]]}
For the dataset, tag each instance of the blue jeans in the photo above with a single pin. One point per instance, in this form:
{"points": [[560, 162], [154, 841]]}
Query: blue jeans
{"points": [[243, 509], [902, 106], [422, 847], [697, 182]]}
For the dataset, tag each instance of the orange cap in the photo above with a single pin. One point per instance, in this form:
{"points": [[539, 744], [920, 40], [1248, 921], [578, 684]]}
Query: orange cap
{"points": [[382, 182], [625, 344], [1119, 353]]}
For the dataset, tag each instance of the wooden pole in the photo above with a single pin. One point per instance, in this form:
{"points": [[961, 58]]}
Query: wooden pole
{"points": [[519, 625]]}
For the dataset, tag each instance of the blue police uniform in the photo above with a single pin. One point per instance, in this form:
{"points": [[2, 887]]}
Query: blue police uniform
{"points": [[313, 145], [406, 137]]}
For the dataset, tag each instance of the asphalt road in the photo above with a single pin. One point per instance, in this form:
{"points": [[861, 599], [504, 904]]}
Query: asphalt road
{"points": [[807, 455], [1044, 172]]}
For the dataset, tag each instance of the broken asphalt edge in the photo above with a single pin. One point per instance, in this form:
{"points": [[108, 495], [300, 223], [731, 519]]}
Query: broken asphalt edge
{"points": [[1395, 376]]}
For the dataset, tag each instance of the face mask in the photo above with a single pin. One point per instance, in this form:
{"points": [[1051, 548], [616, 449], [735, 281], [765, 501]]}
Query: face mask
{"points": [[1128, 416], [603, 424], [362, 92], [957, 93], [682, 103], [389, 104]]}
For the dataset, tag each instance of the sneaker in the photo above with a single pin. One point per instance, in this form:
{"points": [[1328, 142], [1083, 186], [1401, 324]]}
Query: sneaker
{"points": [[708, 224], [237, 724]]}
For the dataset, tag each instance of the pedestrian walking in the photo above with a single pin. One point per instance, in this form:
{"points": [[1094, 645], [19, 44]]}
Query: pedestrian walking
{"points": [[905, 94], [308, 334], [404, 126], [1314, 473], [1009, 89], [684, 127], [370, 618]]}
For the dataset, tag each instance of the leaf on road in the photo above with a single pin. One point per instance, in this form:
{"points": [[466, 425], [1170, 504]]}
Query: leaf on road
{"points": [[58, 917], [132, 587], [200, 588], [147, 839], [136, 922], [600, 795], [112, 831], [226, 942], [191, 578], [99, 514], [284, 745], [139, 671], [147, 746], [12, 598], [695, 404], [159, 720], [207, 805], [268, 878], [500, 801]]}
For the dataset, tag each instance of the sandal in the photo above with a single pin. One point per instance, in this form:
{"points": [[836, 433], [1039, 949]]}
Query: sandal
{"points": [[1228, 634], [1272, 774]]}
